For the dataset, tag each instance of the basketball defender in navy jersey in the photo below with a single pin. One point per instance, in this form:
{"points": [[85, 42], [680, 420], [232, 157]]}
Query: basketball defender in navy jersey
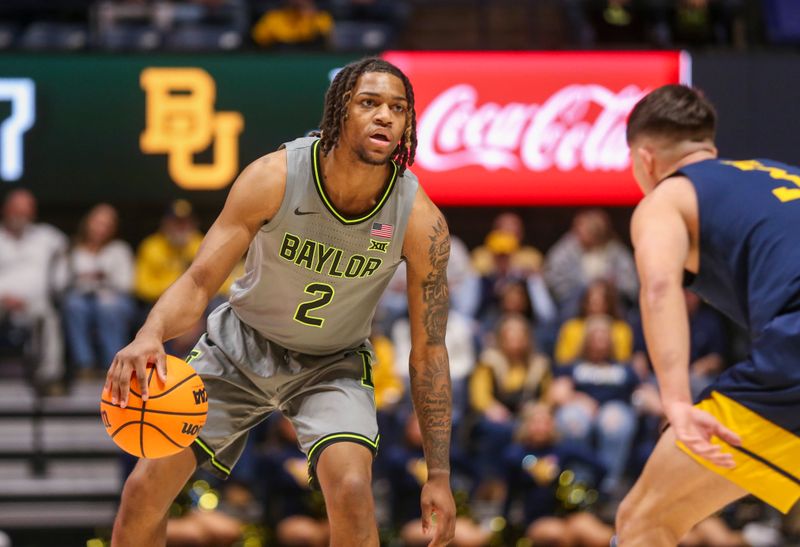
{"points": [[729, 229]]}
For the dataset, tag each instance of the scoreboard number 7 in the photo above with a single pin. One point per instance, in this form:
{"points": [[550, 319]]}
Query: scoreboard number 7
{"points": [[21, 93]]}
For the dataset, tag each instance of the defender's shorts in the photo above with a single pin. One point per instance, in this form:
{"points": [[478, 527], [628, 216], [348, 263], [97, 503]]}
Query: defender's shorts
{"points": [[327, 398], [759, 399]]}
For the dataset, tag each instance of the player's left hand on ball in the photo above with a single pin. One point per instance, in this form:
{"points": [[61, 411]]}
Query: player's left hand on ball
{"points": [[438, 510], [695, 428]]}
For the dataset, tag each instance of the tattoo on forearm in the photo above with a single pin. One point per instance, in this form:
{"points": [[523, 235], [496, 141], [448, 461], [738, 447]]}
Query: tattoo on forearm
{"points": [[435, 294], [431, 391]]}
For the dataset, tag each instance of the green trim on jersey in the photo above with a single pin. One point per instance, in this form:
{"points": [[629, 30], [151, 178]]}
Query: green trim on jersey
{"points": [[366, 377], [329, 204], [213, 460], [345, 437], [338, 437]]}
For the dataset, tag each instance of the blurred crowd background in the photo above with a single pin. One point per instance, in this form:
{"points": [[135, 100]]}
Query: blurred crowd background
{"points": [[556, 407], [347, 25]]}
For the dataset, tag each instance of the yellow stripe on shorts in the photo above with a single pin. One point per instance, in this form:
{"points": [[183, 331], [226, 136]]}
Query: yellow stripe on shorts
{"points": [[767, 463]]}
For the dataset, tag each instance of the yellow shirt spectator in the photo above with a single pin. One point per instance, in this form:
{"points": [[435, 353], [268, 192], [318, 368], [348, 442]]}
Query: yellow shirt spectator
{"points": [[388, 385], [298, 23], [510, 374], [162, 257], [159, 264], [571, 337]]}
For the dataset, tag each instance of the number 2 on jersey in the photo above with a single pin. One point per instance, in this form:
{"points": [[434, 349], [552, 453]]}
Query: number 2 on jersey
{"points": [[325, 293]]}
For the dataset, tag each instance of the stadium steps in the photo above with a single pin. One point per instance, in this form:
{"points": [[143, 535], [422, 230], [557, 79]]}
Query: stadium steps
{"points": [[57, 514], [63, 479], [72, 483]]}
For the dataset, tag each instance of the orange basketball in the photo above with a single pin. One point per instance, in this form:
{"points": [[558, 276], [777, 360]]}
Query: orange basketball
{"points": [[168, 421]]}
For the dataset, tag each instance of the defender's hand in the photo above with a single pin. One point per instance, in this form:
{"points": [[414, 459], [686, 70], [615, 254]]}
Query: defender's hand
{"points": [[134, 358], [438, 510], [695, 427]]}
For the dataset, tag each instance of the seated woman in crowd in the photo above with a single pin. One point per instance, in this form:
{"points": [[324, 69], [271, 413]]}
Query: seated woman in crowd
{"points": [[593, 397], [506, 376], [98, 307], [600, 298], [542, 473]]}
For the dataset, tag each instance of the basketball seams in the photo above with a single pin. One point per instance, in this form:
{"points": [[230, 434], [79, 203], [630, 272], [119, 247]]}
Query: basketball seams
{"points": [[177, 409], [144, 407], [151, 411], [123, 426], [164, 434], [166, 392], [176, 386]]}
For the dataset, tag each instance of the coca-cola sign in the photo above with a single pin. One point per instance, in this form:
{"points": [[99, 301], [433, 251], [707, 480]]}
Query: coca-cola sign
{"points": [[530, 128]]}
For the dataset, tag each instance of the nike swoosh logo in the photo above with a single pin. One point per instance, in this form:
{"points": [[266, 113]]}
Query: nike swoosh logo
{"points": [[297, 211]]}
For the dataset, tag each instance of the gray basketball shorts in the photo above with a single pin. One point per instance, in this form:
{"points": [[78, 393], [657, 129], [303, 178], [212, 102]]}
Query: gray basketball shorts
{"points": [[328, 398]]}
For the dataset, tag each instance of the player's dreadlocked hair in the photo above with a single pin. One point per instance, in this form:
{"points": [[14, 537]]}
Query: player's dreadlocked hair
{"points": [[337, 100]]}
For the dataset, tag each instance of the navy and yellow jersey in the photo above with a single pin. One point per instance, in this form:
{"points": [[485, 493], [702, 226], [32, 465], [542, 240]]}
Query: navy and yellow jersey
{"points": [[749, 218], [749, 214]]}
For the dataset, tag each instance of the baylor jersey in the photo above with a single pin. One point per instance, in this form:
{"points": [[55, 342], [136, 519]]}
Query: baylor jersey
{"points": [[313, 276]]}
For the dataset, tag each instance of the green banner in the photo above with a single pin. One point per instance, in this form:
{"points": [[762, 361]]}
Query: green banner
{"points": [[143, 129]]}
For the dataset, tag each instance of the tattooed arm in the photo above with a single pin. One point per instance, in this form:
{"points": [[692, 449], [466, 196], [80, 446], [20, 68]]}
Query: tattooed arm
{"points": [[426, 248]]}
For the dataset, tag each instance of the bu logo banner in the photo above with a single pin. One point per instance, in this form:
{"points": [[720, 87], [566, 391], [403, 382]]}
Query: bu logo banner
{"points": [[181, 122]]}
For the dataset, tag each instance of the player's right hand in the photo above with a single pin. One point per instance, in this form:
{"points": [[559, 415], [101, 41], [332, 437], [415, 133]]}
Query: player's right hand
{"points": [[695, 428], [131, 359]]}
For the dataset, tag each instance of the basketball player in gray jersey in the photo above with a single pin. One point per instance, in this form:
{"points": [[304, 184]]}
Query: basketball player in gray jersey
{"points": [[327, 220]]}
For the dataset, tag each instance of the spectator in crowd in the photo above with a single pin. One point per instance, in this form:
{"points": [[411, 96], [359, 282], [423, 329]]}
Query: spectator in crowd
{"points": [[298, 23], [593, 396], [407, 473], [296, 509], [32, 273], [515, 281], [507, 223], [515, 298], [98, 308], [506, 376], [504, 258], [600, 298], [162, 257], [542, 472], [589, 251]]}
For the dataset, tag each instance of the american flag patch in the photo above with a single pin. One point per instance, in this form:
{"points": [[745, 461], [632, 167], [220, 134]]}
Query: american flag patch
{"points": [[381, 230]]}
